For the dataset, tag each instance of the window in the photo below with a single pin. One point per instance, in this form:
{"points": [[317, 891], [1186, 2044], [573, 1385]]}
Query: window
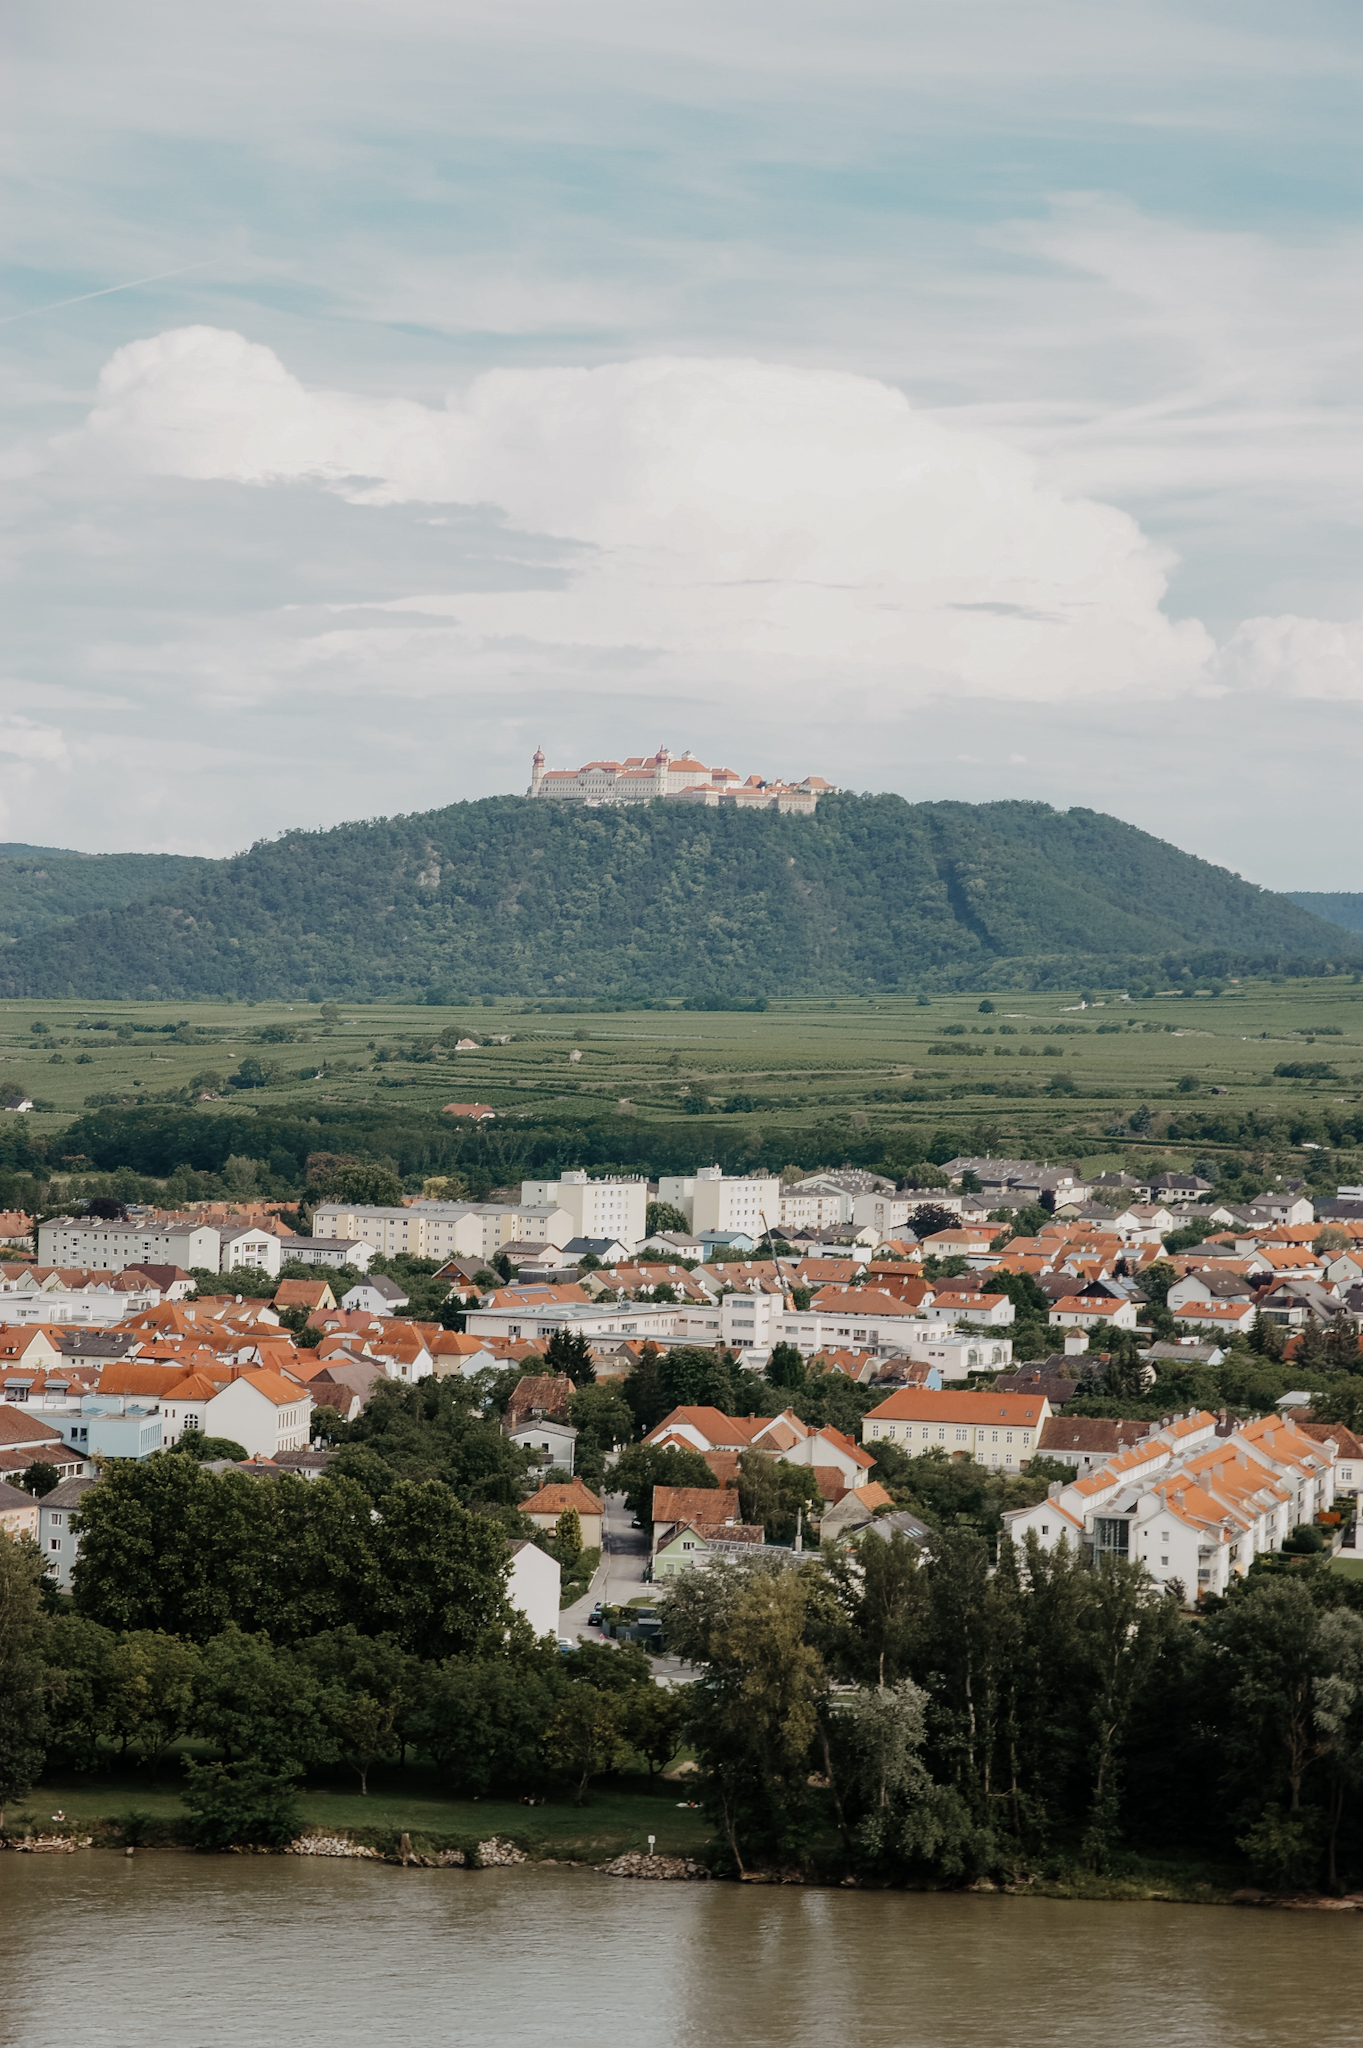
{"points": [[1111, 1536], [941, 1436], [1026, 1436], [1045, 1528], [55, 1543], [925, 1434], [962, 1436], [1164, 1560], [993, 1436], [56, 1521]]}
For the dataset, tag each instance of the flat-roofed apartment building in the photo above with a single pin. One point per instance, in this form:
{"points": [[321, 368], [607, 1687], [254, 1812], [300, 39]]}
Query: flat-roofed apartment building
{"points": [[611, 1207], [446, 1230], [711, 1200]]}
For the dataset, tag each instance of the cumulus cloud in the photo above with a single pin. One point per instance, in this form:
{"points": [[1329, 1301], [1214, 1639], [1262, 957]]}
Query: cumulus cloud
{"points": [[1294, 657], [784, 523]]}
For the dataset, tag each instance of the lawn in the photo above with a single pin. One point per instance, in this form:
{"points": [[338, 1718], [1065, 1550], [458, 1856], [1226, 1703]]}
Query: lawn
{"points": [[620, 1814]]}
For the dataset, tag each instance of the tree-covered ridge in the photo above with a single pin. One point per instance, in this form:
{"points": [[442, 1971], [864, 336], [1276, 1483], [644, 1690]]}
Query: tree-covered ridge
{"points": [[1341, 907], [41, 887], [512, 897]]}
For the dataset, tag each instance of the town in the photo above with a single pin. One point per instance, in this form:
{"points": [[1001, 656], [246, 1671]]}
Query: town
{"points": [[654, 1385]]}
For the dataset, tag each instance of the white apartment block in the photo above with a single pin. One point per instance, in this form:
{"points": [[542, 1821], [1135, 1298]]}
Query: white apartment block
{"points": [[93, 1308], [598, 1208], [813, 1209], [612, 1319], [887, 1213], [446, 1230], [956, 1352], [111, 1244], [710, 1201], [258, 1249], [1193, 1507]]}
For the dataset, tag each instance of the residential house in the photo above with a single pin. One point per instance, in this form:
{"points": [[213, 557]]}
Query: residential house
{"points": [[261, 1411], [1086, 1442], [539, 1395], [534, 1586], [376, 1293], [675, 1505], [28, 1439], [691, 1546], [673, 1244], [18, 1512], [849, 1517], [310, 1296], [1348, 1473], [343, 1384], [1233, 1316], [545, 1507], [549, 1441], [1083, 1311], [607, 1251]]}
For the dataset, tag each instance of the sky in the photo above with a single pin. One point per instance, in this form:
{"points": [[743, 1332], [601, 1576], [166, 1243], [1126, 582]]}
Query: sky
{"points": [[954, 397]]}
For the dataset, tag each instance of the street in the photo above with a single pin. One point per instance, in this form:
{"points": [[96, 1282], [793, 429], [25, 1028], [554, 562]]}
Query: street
{"points": [[619, 1579]]}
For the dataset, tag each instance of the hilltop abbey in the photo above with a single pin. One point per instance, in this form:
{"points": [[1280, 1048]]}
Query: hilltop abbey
{"points": [[640, 779]]}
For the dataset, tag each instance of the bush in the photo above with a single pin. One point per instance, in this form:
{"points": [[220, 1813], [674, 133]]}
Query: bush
{"points": [[243, 1805], [1283, 1849]]}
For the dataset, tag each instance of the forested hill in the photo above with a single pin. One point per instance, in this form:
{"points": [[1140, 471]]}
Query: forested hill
{"points": [[1343, 908], [46, 885], [519, 898]]}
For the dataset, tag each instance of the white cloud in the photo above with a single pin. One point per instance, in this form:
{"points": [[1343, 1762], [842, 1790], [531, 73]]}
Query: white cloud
{"points": [[789, 527], [1293, 657]]}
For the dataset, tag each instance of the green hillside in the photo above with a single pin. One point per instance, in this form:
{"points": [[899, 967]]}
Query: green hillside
{"points": [[511, 897], [1344, 908], [41, 886]]}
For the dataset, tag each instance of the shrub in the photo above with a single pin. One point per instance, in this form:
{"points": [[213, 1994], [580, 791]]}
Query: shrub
{"points": [[243, 1805]]}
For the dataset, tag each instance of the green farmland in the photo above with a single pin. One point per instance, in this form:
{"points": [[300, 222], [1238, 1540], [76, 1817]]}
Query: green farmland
{"points": [[882, 1078]]}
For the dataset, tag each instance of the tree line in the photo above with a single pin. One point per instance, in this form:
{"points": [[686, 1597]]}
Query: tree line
{"points": [[929, 1718]]}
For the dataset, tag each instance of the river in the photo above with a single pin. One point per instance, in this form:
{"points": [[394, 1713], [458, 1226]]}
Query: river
{"points": [[178, 1951]]}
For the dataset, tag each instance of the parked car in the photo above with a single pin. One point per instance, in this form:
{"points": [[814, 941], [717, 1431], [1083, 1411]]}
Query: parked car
{"points": [[594, 1618]]}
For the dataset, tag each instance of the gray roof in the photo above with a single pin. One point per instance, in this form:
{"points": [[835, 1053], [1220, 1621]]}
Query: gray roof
{"points": [[68, 1494]]}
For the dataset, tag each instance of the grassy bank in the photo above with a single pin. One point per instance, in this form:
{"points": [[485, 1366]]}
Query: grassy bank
{"points": [[620, 1815]]}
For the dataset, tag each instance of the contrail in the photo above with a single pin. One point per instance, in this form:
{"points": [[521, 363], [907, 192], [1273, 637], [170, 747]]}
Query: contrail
{"points": [[131, 285]]}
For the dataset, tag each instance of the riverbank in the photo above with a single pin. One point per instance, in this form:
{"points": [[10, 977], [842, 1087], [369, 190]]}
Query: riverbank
{"points": [[620, 1817]]}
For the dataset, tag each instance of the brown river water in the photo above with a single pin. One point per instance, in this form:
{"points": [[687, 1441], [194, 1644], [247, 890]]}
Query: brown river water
{"points": [[175, 1951]]}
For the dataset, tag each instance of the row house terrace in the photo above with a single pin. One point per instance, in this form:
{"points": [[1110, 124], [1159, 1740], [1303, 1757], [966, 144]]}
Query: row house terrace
{"points": [[1192, 1504]]}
